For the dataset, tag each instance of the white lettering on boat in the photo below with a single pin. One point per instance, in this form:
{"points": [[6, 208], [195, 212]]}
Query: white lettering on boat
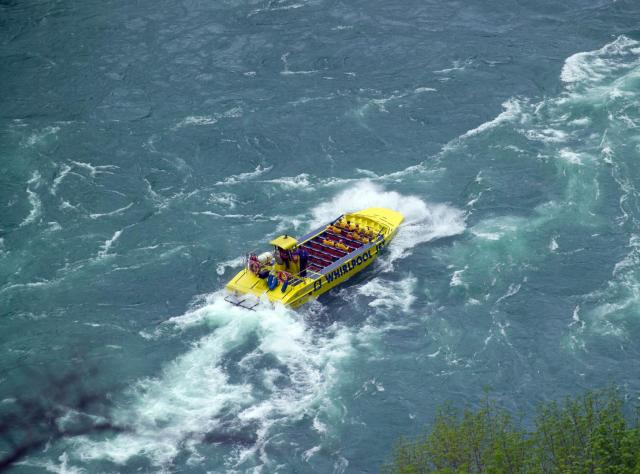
{"points": [[352, 264]]}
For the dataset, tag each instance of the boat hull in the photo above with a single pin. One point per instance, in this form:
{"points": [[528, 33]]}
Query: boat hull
{"points": [[317, 283]]}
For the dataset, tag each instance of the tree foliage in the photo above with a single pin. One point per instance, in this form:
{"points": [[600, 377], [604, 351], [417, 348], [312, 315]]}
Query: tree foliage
{"points": [[586, 434], [66, 406]]}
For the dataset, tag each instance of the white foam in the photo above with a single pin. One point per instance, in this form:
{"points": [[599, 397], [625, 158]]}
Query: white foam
{"points": [[34, 199], [175, 410], [302, 73], [496, 228], [570, 156], [202, 120], [53, 226], [58, 179], [224, 199], [412, 170], [36, 208], [197, 120], [575, 318], [233, 263], [603, 314], [66, 205], [581, 122], [51, 466], [38, 137], [381, 103], [513, 289], [390, 294], [457, 65], [285, 223], [36, 179], [512, 111], [95, 170], [619, 299], [423, 222], [287, 72], [112, 213], [367, 173], [630, 261], [248, 217], [472, 202], [437, 222], [456, 278], [304, 100], [36, 284], [309, 453], [594, 66], [242, 177], [547, 135], [300, 182], [271, 8], [104, 250]]}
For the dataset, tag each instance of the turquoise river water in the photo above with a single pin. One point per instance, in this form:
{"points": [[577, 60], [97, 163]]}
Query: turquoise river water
{"points": [[145, 146]]}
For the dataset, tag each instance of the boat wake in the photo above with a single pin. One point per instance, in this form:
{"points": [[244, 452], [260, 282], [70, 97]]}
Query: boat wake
{"points": [[255, 373], [423, 222], [238, 388]]}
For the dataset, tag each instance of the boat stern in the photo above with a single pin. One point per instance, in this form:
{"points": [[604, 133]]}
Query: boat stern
{"points": [[246, 282]]}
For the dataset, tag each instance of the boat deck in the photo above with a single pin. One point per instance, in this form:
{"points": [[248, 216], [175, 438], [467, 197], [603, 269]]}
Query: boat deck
{"points": [[322, 255], [335, 251]]}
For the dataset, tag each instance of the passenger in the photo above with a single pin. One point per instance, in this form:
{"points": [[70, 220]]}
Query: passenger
{"points": [[303, 257], [285, 256], [279, 261]]}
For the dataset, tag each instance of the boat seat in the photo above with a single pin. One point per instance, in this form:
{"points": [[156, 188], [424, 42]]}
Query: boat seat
{"points": [[321, 260], [346, 241], [314, 268], [319, 253], [369, 233], [341, 253], [326, 254]]}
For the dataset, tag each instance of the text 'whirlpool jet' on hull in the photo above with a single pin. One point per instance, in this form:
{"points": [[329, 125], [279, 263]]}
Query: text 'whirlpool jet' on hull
{"points": [[298, 270]]}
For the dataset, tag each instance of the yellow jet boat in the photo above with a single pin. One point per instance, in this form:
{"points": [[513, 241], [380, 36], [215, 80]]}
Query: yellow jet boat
{"points": [[298, 270]]}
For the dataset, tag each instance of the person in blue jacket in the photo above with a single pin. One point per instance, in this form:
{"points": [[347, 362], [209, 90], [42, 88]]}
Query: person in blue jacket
{"points": [[303, 255]]}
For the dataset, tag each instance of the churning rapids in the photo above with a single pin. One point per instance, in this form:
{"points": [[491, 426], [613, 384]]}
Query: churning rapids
{"points": [[128, 200]]}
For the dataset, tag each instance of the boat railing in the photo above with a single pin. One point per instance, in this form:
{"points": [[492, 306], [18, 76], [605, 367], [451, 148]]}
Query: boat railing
{"points": [[309, 274], [245, 261]]}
